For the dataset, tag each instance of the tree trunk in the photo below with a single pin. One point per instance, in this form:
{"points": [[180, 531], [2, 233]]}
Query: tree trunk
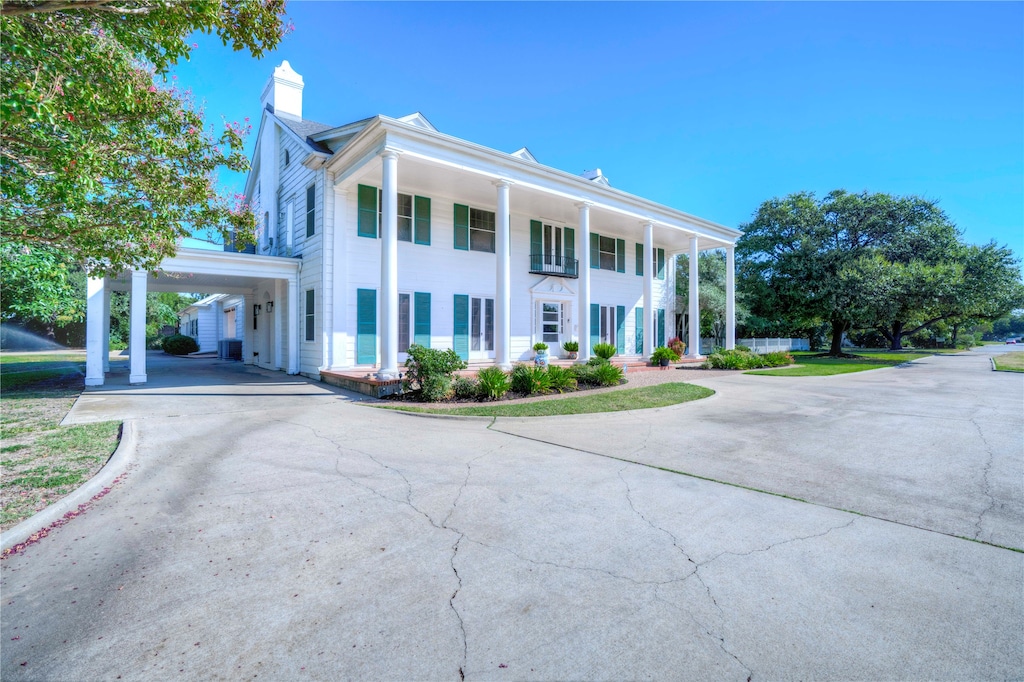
{"points": [[897, 336], [837, 338], [956, 332]]}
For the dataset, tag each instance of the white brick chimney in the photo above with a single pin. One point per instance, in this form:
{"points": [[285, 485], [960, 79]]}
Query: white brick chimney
{"points": [[283, 92]]}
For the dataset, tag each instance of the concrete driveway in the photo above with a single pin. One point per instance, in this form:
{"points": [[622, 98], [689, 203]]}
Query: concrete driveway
{"points": [[273, 529]]}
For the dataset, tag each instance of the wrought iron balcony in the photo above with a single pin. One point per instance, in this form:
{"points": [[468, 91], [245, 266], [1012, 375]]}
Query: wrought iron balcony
{"points": [[559, 266]]}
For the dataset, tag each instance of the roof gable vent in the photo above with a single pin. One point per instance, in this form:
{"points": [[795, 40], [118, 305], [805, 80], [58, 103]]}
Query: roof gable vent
{"points": [[525, 154], [595, 176]]}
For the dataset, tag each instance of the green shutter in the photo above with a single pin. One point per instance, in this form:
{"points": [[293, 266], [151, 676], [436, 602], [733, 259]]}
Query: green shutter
{"points": [[620, 255], [421, 231], [595, 251], [661, 264], [620, 329], [639, 260], [536, 244], [639, 330], [311, 210], [310, 315], [462, 227], [661, 326], [421, 308], [595, 325], [460, 338], [366, 225], [570, 251], [366, 326]]}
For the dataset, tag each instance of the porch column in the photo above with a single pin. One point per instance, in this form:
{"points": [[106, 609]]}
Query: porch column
{"points": [[94, 291], [583, 314], [248, 301], [106, 329], [389, 267], [693, 349], [137, 328], [650, 317], [278, 356], [293, 324], [730, 297], [334, 281], [502, 288]]}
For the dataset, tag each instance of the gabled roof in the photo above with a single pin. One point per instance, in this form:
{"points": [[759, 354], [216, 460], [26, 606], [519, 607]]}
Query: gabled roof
{"points": [[306, 129], [419, 120], [525, 154]]}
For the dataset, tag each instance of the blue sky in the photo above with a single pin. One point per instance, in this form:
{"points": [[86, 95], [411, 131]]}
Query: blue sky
{"points": [[710, 108]]}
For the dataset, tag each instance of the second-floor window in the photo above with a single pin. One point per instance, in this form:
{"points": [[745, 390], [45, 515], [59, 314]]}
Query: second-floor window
{"points": [[474, 229], [607, 253], [311, 210], [413, 215]]}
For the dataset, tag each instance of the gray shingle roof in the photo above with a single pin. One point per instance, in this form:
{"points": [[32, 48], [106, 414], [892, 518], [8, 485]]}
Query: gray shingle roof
{"points": [[305, 128]]}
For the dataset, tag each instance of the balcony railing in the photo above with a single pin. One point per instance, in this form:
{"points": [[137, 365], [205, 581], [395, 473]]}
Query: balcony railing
{"points": [[547, 264]]}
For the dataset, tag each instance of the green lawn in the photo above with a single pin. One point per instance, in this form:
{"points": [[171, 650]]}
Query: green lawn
{"points": [[645, 397], [1010, 362], [41, 461], [810, 366]]}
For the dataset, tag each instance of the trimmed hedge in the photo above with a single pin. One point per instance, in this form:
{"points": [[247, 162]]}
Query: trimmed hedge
{"points": [[179, 344]]}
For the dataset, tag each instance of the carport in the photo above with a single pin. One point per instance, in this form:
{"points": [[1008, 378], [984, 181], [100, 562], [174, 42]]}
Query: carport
{"points": [[258, 279]]}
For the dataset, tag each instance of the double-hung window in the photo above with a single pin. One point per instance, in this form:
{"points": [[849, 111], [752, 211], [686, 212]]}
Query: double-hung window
{"points": [[657, 262], [607, 253], [413, 215]]}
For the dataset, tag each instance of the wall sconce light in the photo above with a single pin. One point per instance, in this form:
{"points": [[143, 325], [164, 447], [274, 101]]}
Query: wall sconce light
{"points": [[270, 306], [256, 310]]}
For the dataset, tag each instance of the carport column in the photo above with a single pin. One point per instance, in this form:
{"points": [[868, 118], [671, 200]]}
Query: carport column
{"points": [[293, 324], [248, 300], [389, 267], [650, 318], [583, 314], [106, 329], [503, 289], [137, 328], [95, 291], [279, 323], [693, 344], [730, 297]]}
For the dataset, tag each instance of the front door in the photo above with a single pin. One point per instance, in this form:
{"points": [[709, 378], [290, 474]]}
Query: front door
{"points": [[551, 325]]}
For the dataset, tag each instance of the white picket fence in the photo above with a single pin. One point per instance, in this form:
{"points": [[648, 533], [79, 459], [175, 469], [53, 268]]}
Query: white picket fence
{"points": [[772, 345]]}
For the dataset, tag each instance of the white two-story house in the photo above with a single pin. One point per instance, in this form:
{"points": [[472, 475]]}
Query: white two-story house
{"points": [[386, 232]]}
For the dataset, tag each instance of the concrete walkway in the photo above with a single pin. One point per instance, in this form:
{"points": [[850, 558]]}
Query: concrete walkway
{"points": [[274, 529]]}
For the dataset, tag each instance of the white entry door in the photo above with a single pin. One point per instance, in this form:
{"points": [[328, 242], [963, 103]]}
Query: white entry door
{"points": [[551, 324]]}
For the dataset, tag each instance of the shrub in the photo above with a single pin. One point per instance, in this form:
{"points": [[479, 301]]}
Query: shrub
{"points": [[530, 379], [571, 346], [492, 383], [663, 353], [604, 350], [540, 347], [432, 371], [596, 361], [777, 359], [742, 359], [582, 373], [607, 375], [464, 388], [179, 344], [677, 346], [740, 346], [562, 379]]}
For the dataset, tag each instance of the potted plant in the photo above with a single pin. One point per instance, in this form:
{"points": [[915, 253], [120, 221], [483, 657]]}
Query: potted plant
{"points": [[677, 346], [572, 349], [663, 356], [541, 349]]}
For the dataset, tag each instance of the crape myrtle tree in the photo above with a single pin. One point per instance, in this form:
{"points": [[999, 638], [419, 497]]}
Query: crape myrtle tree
{"points": [[895, 264], [101, 158]]}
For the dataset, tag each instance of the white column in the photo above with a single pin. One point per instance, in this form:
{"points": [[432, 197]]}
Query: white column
{"points": [[389, 267], [137, 328], [502, 288], [279, 324], [249, 300], [325, 291], [583, 316], [336, 282], [293, 324], [94, 290], [693, 349], [650, 316], [106, 329], [730, 297]]}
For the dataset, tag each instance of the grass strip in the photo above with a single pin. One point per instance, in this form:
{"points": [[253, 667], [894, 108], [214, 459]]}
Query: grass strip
{"points": [[1009, 362], [811, 365], [645, 397]]}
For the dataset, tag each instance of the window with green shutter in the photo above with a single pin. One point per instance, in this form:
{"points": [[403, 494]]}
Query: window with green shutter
{"points": [[570, 250], [620, 255], [595, 324], [311, 210], [659, 263], [595, 251], [661, 326], [366, 225], [639, 330], [366, 326], [607, 253], [422, 221], [421, 311], [639, 260], [620, 329], [536, 246]]}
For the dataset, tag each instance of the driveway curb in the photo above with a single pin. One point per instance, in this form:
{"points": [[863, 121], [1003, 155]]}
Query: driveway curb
{"points": [[118, 464]]}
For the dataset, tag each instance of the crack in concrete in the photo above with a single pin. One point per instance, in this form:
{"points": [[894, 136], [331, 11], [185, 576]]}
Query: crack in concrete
{"points": [[777, 544], [986, 486], [451, 605]]}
